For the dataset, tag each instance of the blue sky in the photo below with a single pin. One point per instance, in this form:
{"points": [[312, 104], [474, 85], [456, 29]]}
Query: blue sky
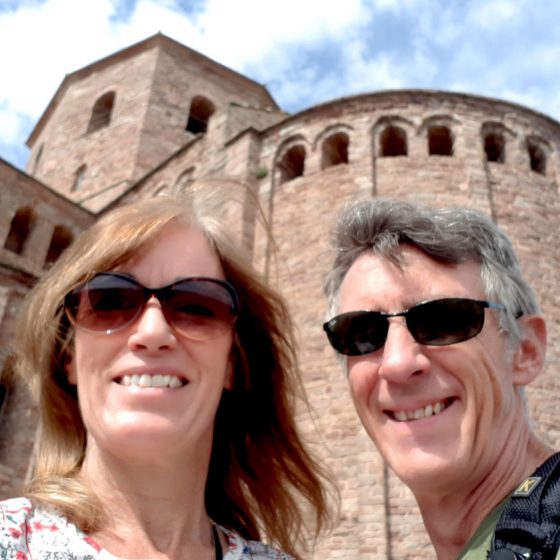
{"points": [[304, 51]]}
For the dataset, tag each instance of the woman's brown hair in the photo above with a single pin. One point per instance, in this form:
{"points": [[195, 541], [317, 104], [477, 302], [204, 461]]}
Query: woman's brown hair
{"points": [[259, 469]]}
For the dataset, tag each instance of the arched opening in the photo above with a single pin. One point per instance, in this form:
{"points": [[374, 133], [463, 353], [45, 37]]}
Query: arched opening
{"points": [[537, 158], [334, 150], [61, 238], [440, 141], [101, 112], [495, 147], [201, 111], [393, 142], [20, 228], [79, 178], [292, 163]]}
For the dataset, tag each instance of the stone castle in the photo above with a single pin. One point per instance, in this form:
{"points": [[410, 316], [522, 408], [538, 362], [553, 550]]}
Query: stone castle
{"points": [[159, 116]]}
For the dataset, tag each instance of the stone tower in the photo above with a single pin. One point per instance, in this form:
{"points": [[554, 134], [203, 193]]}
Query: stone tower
{"points": [[159, 116]]}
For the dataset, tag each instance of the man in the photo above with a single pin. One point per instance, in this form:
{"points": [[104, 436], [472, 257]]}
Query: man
{"points": [[440, 333]]}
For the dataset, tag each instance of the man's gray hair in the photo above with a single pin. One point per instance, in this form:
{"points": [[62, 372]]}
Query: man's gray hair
{"points": [[448, 235]]}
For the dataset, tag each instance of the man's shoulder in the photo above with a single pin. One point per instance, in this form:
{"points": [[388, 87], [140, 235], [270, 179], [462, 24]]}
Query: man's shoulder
{"points": [[242, 549]]}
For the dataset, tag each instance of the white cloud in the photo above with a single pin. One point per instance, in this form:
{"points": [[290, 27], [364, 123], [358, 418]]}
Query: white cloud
{"points": [[492, 13], [10, 126], [305, 52]]}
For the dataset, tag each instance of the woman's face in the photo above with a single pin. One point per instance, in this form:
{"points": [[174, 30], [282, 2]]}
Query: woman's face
{"points": [[123, 416]]}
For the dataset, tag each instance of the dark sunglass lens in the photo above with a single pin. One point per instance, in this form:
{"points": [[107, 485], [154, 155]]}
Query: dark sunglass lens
{"points": [[199, 308], [357, 333], [445, 321], [108, 303]]}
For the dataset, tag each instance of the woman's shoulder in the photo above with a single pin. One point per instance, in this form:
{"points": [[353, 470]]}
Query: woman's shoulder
{"points": [[242, 549]]}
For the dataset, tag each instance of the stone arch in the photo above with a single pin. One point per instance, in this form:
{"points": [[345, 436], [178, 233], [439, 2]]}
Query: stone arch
{"points": [[495, 137], [21, 226], [537, 149], [60, 240], [101, 112], [290, 159], [79, 177], [200, 112]]}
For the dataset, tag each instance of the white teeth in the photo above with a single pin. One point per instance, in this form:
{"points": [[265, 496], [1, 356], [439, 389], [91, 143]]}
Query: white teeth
{"points": [[148, 380], [429, 410]]}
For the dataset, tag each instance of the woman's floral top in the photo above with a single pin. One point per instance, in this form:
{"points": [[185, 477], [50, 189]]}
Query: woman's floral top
{"points": [[33, 533]]}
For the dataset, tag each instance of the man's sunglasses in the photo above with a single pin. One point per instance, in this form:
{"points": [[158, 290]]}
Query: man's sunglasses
{"points": [[437, 323], [198, 308]]}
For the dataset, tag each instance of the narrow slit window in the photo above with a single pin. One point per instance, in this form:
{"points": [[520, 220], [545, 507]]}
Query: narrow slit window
{"points": [[60, 240], [101, 112], [79, 177]]}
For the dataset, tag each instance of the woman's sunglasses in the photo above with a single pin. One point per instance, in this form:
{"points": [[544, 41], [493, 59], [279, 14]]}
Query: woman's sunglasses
{"points": [[198, 308], [438, 323]]}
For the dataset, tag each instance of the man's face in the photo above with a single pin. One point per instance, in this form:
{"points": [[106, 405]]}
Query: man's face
{"points": [[438, 414]]}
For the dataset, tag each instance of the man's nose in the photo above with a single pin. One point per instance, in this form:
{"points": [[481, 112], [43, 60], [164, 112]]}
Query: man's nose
{"points": [[403, 357], [151, 331]]}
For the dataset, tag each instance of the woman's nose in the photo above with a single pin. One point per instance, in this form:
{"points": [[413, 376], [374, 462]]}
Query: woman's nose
{"points": [[151, 331]]}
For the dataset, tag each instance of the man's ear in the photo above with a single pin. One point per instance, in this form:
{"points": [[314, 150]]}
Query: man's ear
{"points": [[70, 368], [529, 357]]}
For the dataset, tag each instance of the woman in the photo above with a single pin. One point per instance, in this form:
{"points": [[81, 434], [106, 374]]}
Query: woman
{"points": [[165, 375]]}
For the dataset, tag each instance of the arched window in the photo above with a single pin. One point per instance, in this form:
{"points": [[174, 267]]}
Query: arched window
{"points": [[292, 163], [537, 157], [79, 178], [201, 111], [101, 113], [495, 147], [334, 150], [440, 141], [61, 238], [393, 142], [20, 228]]}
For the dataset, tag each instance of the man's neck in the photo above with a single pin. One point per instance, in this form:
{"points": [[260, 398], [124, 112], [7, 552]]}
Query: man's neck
{"points": [[452, 518]]}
